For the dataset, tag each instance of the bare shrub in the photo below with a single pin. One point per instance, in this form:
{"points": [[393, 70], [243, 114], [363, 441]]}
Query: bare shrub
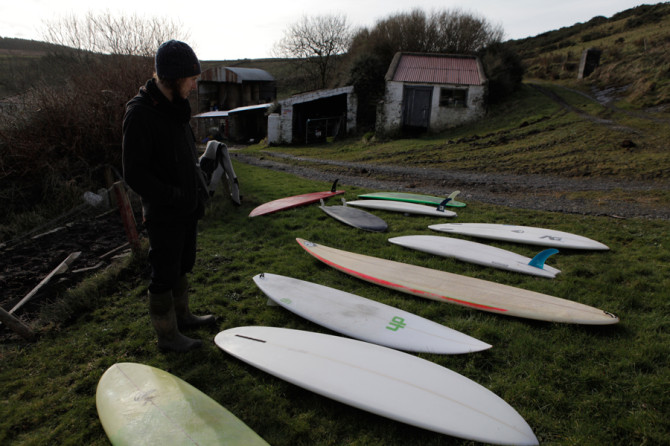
{"points": [[447, 31], [69, 128]]}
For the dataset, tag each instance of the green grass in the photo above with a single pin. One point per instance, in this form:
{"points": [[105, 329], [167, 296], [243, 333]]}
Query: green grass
{"points": [[572, 384]]}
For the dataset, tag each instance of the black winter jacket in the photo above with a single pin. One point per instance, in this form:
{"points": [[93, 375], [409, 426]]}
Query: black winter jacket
{"points": [[159, 156]]}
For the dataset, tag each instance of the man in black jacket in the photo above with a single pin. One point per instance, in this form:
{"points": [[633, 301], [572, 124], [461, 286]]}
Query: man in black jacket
{"points": [[160, 164]]}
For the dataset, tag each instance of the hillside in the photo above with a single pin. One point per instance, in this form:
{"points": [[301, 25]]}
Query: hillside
{"points": [[635, 47]]}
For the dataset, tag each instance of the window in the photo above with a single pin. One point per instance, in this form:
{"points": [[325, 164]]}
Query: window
{"points": [[453, 97]]}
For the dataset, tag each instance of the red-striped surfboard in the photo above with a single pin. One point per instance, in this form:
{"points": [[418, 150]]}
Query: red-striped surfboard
{"points": [[457, 289], [294, 201]]}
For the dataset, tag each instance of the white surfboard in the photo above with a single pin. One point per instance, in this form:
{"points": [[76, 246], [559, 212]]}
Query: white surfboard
{"points": [[217, 152], [458, 289], [480, 254], [380, 380], [404, 207], [365, 319], [521, 234]]}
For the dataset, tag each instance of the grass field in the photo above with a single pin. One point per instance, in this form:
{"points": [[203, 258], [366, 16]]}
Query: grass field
{"points": [[572, 384]]}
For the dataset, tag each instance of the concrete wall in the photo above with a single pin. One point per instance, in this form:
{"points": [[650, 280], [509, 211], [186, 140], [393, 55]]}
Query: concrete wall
{"points": [[281, 125], [442, 118], [390, 110]]}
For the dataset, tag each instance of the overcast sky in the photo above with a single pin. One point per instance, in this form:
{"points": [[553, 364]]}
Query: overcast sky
{"points": [[237, 29]]}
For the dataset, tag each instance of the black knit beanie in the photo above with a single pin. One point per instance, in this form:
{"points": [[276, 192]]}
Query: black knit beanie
{"points": [[175, 60]]}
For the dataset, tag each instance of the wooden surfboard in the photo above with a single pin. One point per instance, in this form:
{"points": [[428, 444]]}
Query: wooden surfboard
{"points": [[457, 289], [142, 405], [380, 380], [294, 201], [365, 319]]}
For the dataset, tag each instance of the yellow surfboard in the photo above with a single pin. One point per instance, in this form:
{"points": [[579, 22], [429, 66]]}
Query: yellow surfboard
{"points": [[142, 405]]}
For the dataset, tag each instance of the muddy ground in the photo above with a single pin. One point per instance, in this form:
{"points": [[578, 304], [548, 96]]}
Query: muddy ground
{"points": [[98, 234]]}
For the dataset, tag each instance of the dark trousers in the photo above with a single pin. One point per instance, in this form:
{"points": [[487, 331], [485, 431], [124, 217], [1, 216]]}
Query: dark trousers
{"points": [[171, 251]]}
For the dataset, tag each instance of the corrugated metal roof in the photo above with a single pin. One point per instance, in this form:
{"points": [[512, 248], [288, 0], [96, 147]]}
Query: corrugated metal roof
{"points": [[212, 114], [250, 107], [438, 70], [236, 75], [224, 113]]}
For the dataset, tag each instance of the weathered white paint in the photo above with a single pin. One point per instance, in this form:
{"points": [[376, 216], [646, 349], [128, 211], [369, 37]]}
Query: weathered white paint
{"points": [[389, 120], [390, 110]]}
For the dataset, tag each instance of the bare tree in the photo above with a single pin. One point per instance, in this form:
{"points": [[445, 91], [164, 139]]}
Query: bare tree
{"points": [[314, 42], [116, 35], [448, 31], [461, 33]]}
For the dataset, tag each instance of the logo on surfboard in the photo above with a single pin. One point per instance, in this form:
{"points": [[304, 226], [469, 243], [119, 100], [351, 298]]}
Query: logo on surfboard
{"points": [[396, 324]]}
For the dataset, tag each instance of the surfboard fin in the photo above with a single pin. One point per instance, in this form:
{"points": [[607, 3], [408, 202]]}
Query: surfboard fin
{"points": [[334, 188], [539, 259], [441, 206]]}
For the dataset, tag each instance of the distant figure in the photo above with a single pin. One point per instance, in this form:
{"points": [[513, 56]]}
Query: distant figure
{"points": [[160, 164]]}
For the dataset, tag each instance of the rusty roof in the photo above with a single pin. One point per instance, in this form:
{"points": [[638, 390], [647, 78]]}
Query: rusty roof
{"points": [[438, 69], [236, 75]]}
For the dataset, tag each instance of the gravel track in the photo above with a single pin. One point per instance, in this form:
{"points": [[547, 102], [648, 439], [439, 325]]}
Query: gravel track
{"points": [[539, 192]]}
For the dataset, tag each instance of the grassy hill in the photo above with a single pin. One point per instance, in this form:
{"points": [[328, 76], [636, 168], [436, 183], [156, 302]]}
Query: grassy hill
{"points": [[635, 47]]}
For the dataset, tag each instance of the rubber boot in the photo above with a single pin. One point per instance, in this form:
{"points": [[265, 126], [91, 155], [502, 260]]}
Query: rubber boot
{"points": [[164, 320], [184, 317]]}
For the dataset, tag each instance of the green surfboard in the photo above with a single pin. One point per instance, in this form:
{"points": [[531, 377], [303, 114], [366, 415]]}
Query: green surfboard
{"points": [[415, 198], [142, 405]]}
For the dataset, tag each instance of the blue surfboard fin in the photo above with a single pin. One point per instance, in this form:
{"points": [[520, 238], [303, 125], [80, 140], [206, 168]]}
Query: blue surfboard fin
{"points": [[441, 206], [538, 260]]}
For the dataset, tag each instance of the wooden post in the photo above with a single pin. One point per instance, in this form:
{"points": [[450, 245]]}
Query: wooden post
{"points": [[127, 215], [60, 269], [16, 325]]}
